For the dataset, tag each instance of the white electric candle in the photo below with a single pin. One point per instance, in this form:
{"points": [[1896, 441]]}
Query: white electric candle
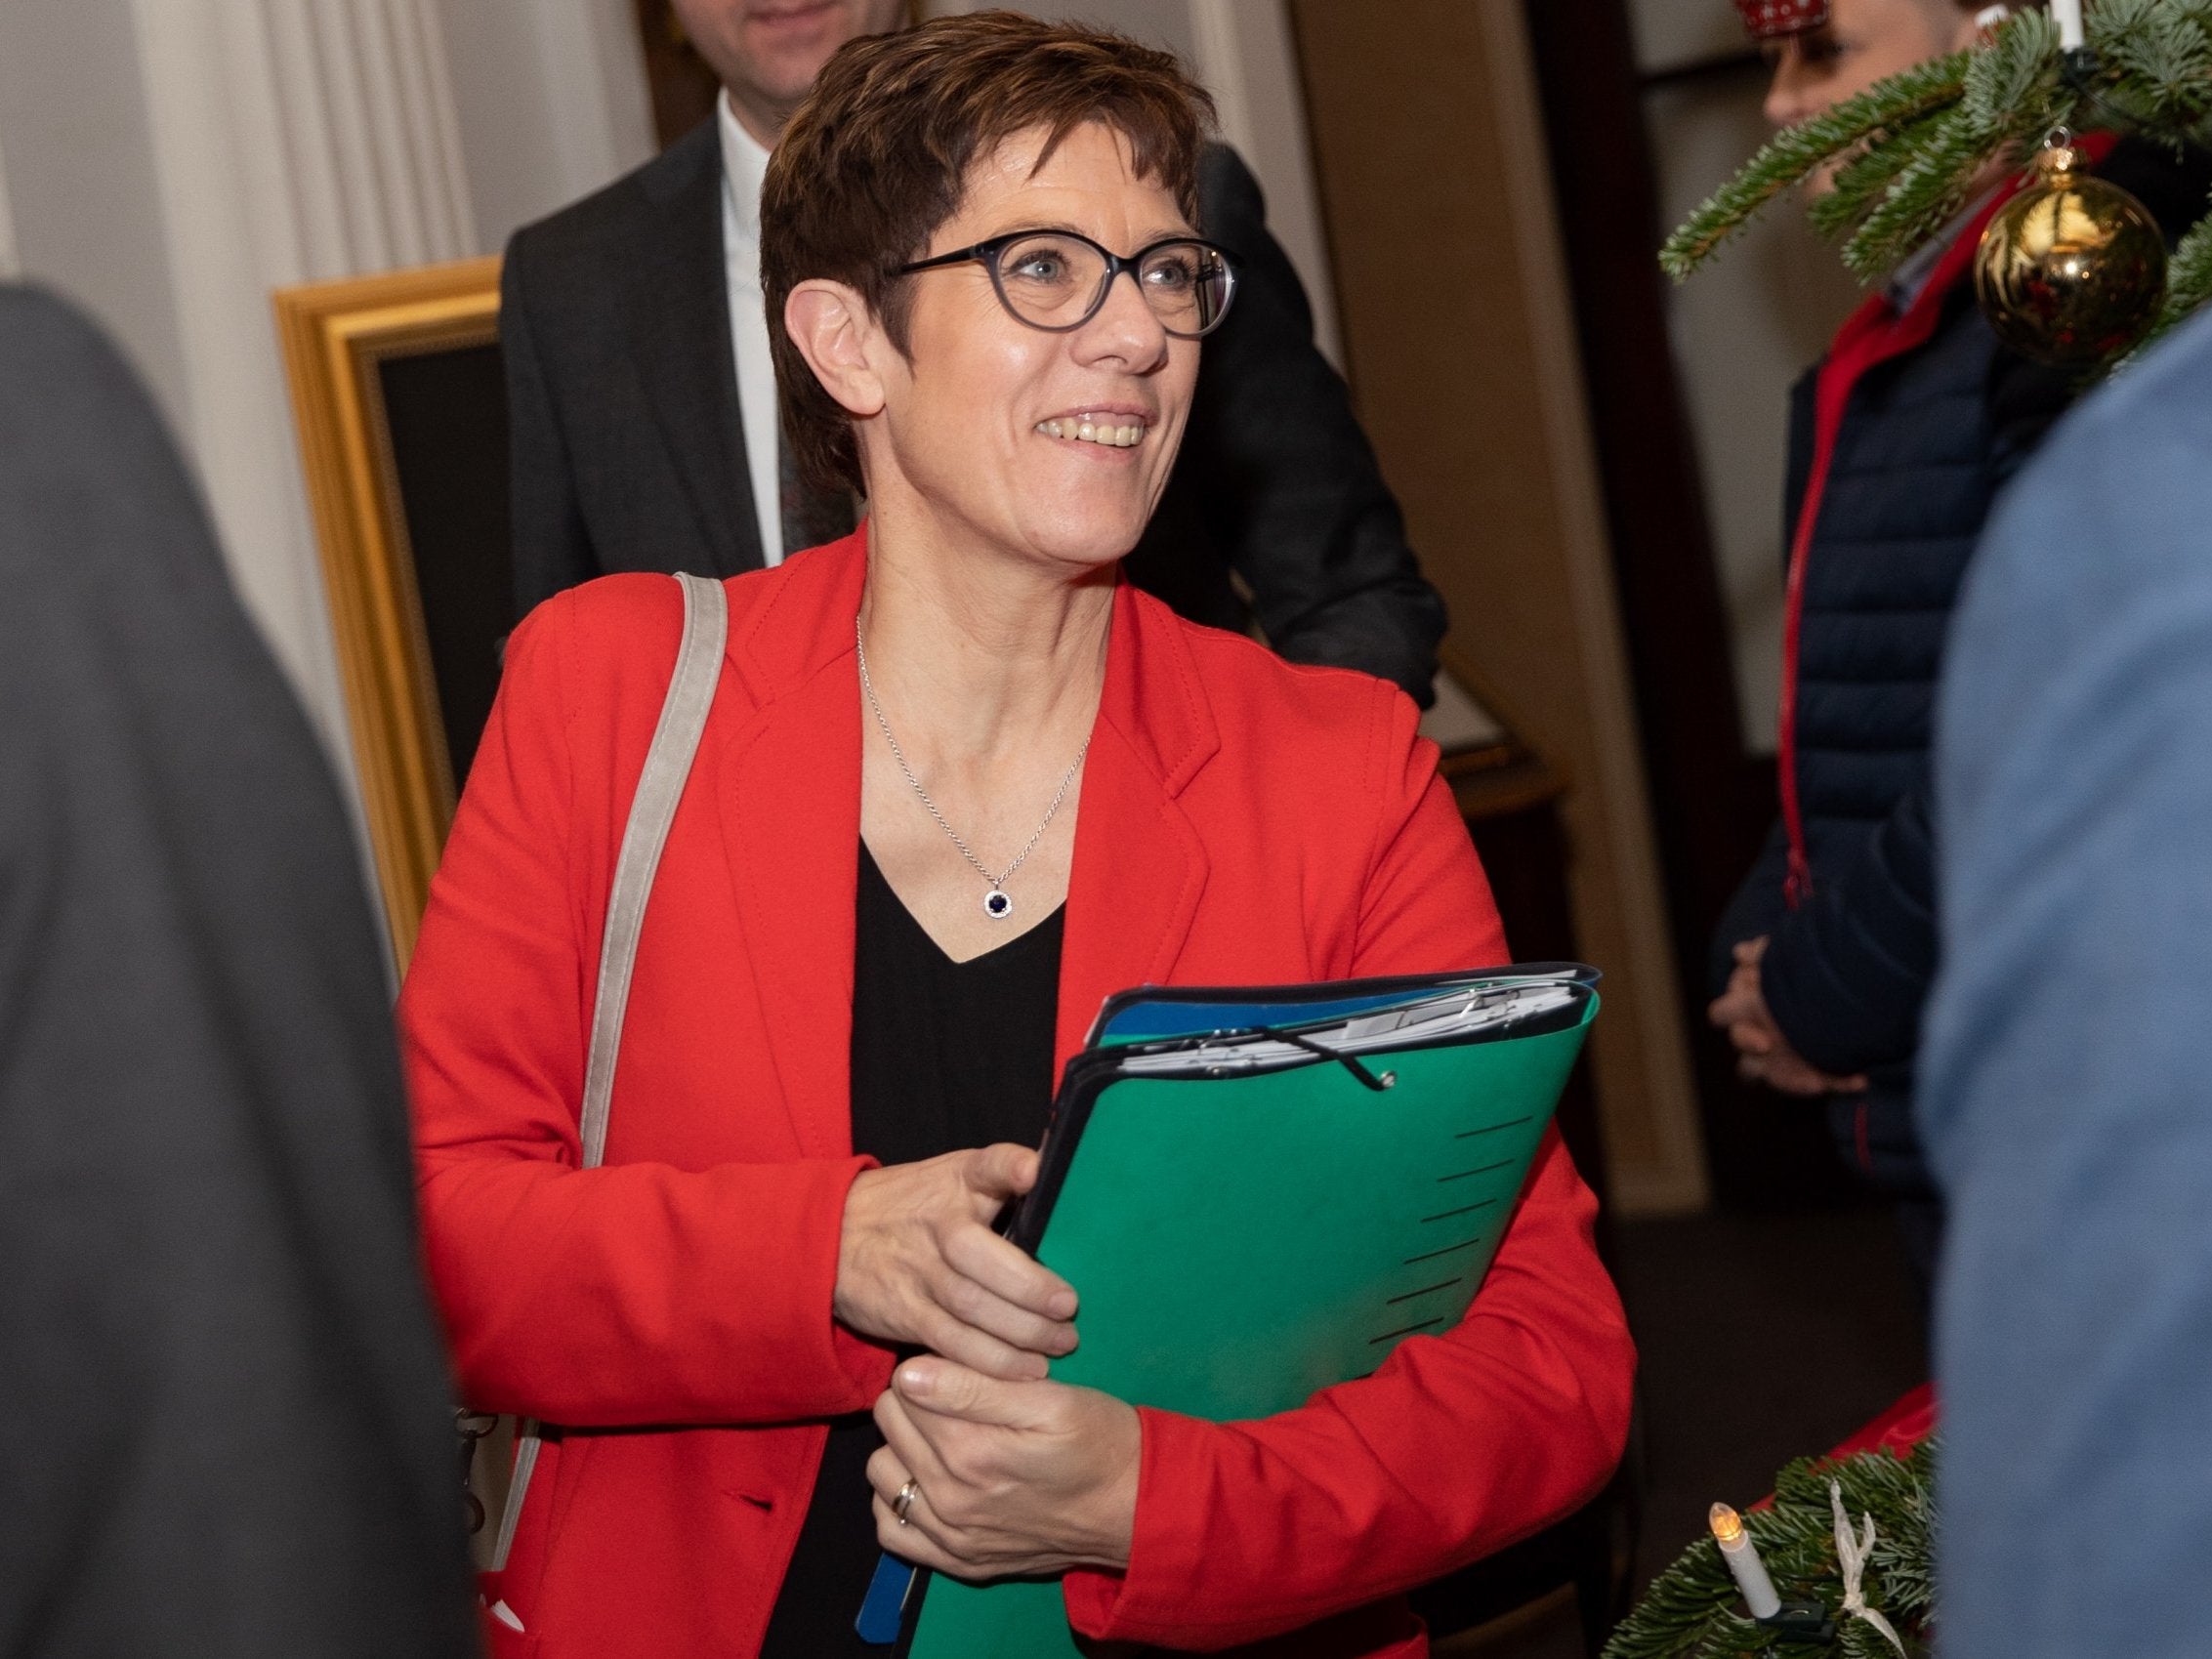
{"points": [[2067, 14], [1742, 1557]]}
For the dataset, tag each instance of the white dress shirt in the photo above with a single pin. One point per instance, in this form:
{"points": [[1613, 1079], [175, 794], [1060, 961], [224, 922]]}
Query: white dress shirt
{"points": [[744, 165]]}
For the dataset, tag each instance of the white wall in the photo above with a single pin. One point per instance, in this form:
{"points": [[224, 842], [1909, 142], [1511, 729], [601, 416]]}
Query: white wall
{"points": [[552, 102], [172, 162], [83, 191], [1743, 329], [9, 265], [169, 163]]}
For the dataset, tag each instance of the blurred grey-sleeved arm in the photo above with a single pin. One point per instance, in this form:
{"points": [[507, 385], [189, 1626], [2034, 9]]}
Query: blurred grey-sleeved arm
{"points": [[2066, 1082]]}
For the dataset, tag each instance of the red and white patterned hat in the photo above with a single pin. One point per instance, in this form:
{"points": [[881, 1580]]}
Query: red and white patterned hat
{"points": [[1767, 20]]}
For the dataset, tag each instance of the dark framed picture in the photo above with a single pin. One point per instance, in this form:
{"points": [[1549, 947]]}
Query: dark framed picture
{"points": [[400, 402]]}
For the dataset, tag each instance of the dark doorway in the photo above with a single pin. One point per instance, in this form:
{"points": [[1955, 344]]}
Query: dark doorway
{"points": [[1712, 802]]}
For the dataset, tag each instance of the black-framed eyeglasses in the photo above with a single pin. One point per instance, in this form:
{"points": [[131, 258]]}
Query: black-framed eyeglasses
{"points": [[1058, 280]]}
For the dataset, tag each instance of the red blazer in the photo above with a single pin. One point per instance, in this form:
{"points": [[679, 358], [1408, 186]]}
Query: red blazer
{"points": [[1242, 821]]}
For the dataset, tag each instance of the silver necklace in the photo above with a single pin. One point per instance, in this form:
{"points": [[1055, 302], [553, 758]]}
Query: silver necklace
{"points": [[998, 903]]}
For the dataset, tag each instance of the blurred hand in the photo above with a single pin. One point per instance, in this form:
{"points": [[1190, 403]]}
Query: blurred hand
{"points": [[1012, 1477], [1762, 1052], [918, 1264]]}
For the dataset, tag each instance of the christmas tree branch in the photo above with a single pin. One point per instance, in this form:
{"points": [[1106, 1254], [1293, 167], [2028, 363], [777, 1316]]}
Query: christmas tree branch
{"points": [[2021, 63], [1694, 1610], [1909, 155], [2189, 286], [1794, 155], [1930, 191], [1868, 177]]}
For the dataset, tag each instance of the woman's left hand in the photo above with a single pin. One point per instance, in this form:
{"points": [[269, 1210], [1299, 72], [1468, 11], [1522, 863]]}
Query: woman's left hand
{"points": [[1028, 1479], [1763, 1053]]}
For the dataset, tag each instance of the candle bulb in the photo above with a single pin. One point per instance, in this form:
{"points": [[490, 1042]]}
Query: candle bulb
{"points": [[1742, 1557], [2067, 14]]}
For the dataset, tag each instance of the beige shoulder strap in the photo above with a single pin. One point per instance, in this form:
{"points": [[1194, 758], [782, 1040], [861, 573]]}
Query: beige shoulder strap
{"points": [[660, 786]]}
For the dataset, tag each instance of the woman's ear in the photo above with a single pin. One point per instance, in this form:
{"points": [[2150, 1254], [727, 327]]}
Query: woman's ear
{"points": [[835, 331]]}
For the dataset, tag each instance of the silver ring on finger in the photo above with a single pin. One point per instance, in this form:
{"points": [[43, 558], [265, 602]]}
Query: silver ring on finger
{"points": [[902, 1505]]}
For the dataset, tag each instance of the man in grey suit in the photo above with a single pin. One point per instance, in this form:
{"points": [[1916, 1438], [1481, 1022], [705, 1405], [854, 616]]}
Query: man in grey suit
{"points": [[643, 412], [224, 1426], [2067, 1089]]}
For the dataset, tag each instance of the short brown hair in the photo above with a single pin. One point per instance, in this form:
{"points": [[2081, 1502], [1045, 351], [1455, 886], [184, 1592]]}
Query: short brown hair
{"points": [[877, 159]]}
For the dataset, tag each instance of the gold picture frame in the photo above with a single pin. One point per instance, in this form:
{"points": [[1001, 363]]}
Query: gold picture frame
{"points": [[338, 339]]}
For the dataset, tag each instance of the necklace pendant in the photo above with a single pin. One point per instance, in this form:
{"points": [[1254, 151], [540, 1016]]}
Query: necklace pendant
{"points": [[999, 905]]}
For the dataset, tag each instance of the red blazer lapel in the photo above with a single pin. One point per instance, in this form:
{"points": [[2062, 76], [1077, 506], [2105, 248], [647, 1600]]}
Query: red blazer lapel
{"points": [[789, 792], [1140, 866]]}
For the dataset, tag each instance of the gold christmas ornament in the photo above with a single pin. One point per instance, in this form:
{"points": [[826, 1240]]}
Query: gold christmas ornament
{"points": [[2072, 268]]}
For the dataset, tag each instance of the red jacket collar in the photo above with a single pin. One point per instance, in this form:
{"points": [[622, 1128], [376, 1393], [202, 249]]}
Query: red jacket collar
{"points": [[790, 789]]}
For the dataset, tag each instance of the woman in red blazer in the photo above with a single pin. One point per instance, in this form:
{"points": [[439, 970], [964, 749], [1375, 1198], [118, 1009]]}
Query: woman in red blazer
{"points": [[962, 682]]}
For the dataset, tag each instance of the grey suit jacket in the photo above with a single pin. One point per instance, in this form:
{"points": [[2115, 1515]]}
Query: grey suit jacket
{"points": [[223, 1412], [629, 442]]}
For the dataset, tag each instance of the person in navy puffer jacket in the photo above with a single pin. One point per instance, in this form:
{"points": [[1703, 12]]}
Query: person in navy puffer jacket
{"points": [[1901, 440]]}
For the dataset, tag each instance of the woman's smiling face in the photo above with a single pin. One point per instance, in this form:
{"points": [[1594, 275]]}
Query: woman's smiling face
{"points": [[984, 418]]}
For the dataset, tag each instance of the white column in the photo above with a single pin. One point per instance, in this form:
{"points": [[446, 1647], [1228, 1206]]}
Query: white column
{"points": [[11, 265], [553, 102], [293, 141]]}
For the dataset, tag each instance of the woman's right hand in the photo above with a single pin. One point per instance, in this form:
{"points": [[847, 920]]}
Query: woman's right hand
{"points": [[918, 1264]]}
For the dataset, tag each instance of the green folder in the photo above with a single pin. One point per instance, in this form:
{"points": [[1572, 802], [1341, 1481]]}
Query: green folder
{"points": [[1256, 1211]]}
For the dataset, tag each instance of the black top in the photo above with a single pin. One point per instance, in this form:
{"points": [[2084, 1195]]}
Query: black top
{"points": [[225, 1419], [945, 1055]]}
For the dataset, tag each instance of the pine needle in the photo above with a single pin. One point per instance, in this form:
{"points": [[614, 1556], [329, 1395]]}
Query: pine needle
{"points": [[1999, 80], [1863, 183], [2165, 59], [1930, 191], [2189, 286], [2189, 274], [2113, 21], [1794, 155]]}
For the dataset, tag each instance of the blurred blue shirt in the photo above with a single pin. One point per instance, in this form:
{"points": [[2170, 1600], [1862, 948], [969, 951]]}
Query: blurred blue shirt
{"points": [[2066, 1096]]}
